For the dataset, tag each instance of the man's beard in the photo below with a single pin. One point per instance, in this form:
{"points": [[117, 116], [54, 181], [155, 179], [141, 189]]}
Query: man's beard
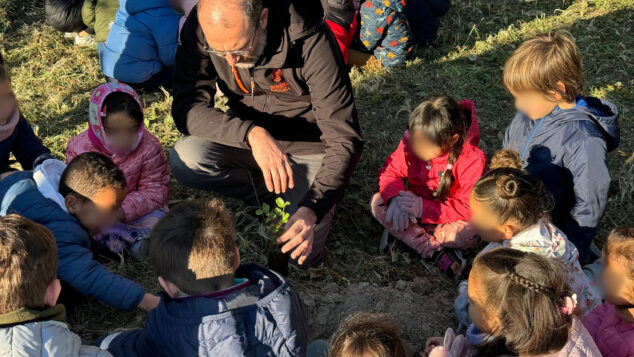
{"points": [[249, 62]]}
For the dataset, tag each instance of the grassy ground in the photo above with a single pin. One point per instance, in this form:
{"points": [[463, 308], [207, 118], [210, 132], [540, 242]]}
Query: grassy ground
{"points": [[53, 81]]}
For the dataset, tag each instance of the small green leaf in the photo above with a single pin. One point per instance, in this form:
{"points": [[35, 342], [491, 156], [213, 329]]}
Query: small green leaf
{"points": [[258, 212], [266, 208], [278, 210], [280, 202], [285, 217]]}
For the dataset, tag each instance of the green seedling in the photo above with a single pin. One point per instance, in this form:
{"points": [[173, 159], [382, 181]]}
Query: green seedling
{"points": [[274, 221]]}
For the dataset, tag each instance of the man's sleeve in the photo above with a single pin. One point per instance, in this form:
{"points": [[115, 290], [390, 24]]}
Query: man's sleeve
{"points": [[336, 116], [194, 88]]}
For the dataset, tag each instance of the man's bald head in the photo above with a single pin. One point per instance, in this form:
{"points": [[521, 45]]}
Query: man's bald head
{"points": [[229, 13], [234, 25]]}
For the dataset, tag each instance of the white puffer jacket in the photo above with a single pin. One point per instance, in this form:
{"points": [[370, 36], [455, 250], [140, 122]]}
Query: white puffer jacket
{"points": [[45, 339]]}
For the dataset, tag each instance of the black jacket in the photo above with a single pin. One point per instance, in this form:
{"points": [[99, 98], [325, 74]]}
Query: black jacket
{"points": [[310, 109]]}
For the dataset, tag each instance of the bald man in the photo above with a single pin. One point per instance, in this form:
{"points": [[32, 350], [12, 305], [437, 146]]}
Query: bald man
{"points": [[291, 126]]}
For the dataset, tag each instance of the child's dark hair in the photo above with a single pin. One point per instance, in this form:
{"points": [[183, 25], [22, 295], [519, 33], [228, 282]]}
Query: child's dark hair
{"points": [[532, 290], [88, 173], [440, 117], [514, 195], [4, 71], [193, 243], [368, 334], [621, 243], [122, 102]]}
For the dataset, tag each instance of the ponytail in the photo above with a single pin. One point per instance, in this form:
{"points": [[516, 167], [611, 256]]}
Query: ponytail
{"points": [[440, 117]]}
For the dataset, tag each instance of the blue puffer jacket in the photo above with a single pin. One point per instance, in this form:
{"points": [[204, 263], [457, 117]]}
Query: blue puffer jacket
{"points": [[266, 318], [143, 39], [19, 194], [567, 151]]}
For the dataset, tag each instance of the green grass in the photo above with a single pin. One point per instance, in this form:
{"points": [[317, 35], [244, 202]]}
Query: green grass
{"points": [[53, 81]]}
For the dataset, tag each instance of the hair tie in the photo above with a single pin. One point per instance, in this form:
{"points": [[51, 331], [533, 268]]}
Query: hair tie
{"points": [[570, 303], [449, 167]]}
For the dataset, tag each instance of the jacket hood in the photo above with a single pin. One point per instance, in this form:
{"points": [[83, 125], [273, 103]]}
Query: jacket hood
{"points": [[473, 134], [288, 22], [601, 112], [47, 176], [96, 113], [133, 7], [265, 286], [26, 315]]}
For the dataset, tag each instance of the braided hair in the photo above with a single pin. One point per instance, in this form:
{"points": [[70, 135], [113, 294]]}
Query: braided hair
{"points": [[527, 292], [440, 117]]}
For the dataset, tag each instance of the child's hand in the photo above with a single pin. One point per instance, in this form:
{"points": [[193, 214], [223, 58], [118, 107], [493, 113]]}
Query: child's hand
{"points": [[149, 302], [410, 203], [396, 216]]}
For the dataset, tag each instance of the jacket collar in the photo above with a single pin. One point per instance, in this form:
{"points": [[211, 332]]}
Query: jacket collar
{"points": [[26, 315]]}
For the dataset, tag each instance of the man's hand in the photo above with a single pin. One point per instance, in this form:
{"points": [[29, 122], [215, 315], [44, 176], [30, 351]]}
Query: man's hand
{"points": [[299, 234], [271, 159], [149, 302]]}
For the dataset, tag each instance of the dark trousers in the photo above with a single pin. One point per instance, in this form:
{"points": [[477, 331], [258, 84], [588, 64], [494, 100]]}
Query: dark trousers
{"points": [[199, 163]]}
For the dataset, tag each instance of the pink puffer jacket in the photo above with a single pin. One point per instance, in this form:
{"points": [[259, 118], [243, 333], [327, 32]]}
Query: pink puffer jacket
{"points": [[145, 166], [613, 336]]}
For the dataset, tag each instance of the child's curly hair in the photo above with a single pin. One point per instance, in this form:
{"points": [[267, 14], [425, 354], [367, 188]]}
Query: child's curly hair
{"points": [[506, 158], [527, 292]]}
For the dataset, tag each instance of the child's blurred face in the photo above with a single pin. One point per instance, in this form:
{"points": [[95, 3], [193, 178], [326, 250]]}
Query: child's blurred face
{"points": [[486, 222], [424, 148], [100, 211], [534, 104], [7, 101], [617, 284], [480, 314], [122, 130]]}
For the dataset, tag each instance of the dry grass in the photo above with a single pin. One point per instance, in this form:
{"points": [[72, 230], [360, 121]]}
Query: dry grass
{"points": [[53, 81]]}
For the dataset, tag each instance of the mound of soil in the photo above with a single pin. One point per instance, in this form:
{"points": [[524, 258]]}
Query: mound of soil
{"points": [[423, 308]]}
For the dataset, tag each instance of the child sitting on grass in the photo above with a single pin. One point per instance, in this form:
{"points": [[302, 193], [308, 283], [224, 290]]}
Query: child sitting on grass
{"points": [[116, 129], [212, 305], [141, 46], [563, 137], [16, 135], [385, 32], [367, 335], [31, 321], [612, 324], [520, 304], [510, 209], [440, 160], [76, 202]]}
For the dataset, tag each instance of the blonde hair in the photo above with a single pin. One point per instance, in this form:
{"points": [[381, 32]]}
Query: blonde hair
{"points": [[28, 263], [543, 61], [621, 242], [367, 334]]}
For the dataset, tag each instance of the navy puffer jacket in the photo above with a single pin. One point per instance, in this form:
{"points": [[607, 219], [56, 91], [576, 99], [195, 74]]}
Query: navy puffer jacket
{"points": [[567, 150], [266, 318]]}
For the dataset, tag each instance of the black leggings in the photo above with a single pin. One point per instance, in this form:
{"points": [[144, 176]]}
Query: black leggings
{"points": [[64, 15]]}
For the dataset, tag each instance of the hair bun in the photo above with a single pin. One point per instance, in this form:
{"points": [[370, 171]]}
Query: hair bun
{"points": [[508, 187], [506, 158]]}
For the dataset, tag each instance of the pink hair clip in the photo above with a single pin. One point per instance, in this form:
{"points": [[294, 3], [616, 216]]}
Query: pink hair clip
{"points": [[570, 303], [104, 110], [449, 167]]}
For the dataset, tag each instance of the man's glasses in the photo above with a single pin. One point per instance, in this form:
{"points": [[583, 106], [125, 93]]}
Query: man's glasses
{"points": [[242, 53]]}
